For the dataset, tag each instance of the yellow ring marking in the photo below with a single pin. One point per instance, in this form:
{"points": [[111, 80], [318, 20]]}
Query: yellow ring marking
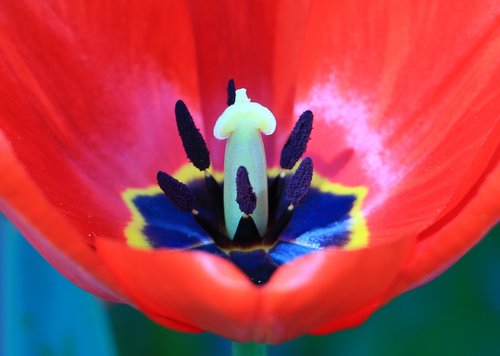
{"points": [[358, 236]]}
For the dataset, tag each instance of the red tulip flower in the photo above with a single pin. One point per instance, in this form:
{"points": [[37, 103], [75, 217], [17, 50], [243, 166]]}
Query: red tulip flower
{"points": [[403, 153]]}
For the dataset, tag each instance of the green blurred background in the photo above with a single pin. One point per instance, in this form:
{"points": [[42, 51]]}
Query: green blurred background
{"points": [[43, 314]]}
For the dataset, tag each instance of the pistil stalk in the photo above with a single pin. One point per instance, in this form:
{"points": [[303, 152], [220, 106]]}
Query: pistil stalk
{"points": [[242, 124]]}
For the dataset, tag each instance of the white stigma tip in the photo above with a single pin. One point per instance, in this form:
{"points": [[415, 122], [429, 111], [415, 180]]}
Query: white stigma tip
{"points": [[241, 96], [246, 115]]}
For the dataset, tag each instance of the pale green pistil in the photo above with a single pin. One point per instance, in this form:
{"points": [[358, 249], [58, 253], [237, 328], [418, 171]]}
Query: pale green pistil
{"points": [[242, 124]]}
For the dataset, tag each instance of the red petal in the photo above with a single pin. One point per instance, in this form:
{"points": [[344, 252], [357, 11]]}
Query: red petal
{"points": [[86, 102], [87, 91], [329, 290], [49, 232], [406, 99], [195, 288], [249, 41], [191, 288], [444, 243], [85, 105]]}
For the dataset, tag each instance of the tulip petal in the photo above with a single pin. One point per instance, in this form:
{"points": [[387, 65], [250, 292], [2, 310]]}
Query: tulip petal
{"points": [[83, 105], [444, 243], [411, 111], [215, 295], [414, 105], [85, 113], [323, 288], [239, 40], [48, 231]]}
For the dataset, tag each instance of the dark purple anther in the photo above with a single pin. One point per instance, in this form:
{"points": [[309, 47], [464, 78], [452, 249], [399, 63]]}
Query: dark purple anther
{"points": [[231, 92], [300, 182], [178, 193], [245, 196], [296, 144], [192, 140]]}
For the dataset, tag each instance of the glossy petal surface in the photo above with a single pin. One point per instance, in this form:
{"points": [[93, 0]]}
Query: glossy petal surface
{"points": [[218, 297], [409, 137]]}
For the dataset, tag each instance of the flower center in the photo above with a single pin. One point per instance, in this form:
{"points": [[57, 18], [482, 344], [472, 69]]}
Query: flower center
{"points": [[248, 211], [199, 210]]}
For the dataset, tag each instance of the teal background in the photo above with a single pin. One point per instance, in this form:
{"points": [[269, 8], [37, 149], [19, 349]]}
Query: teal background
{"points": [[41, 313]]}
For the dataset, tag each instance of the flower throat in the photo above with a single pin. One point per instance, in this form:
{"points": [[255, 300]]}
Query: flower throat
{"points": [[248, 206]]}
